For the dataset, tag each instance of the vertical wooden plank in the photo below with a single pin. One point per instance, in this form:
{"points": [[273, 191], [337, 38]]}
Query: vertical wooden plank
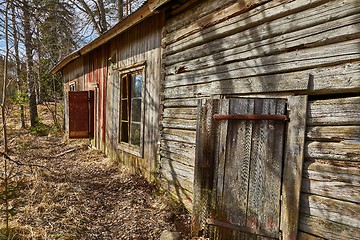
{"points": [[256, 187], [221, 159], [294, 154], [204, 164], [266, 169], [220, 212], [270, 217], [237, 166]]}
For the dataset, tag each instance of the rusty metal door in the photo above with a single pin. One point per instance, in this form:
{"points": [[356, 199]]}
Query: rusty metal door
{"points": [[245, 169], [81, 114]]}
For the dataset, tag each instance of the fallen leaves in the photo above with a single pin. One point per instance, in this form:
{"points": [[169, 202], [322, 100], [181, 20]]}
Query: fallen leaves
{"points": [[86, 196]]}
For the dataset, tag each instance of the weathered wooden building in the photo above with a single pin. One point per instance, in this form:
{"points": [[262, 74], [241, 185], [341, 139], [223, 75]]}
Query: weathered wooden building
{"points": [[247, 112]]}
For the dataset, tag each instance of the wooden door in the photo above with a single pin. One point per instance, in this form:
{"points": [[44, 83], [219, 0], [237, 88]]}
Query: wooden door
{"points": [[244, 199]]}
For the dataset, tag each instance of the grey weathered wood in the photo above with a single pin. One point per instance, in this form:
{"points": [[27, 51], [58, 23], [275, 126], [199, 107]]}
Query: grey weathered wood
{"points": [[283, 62], [185, 149], [220, 208], [210, 19], [250, 44], [183, 113], [266, 165], [330, 166], [293, 167], [266, 13], [182, 175], [345, 150], [337, 78], [178, 157], [259, 84], [327, 229], [188, 124], [140, 44], [306, 236], [257, 232], [181, 103], [256, 191], [249, 167], [342, 186], [261, 41], [182, 195], [273, 166], [185, 136], [346, 213], [204, 163], [201, 9], [337, 111], [333, 133]]}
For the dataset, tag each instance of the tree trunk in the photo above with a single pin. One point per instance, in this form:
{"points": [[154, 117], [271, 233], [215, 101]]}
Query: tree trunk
{"points": [[102, 16], [120, 9], [18, 64], [90, 14], [29, 65], [3, 102]]}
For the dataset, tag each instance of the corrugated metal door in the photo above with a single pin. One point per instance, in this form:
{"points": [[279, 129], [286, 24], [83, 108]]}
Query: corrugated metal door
{"points": [[81, 114]]}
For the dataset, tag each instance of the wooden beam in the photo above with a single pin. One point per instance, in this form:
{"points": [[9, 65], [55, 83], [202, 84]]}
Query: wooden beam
{"points": [[133, 19], [243, 229], [203, 175], [257, 16], [294, 155], [155, 4], [336, 111], [327, 229], [212, 19]]}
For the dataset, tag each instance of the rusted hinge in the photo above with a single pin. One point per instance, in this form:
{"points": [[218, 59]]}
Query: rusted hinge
{"points": [[243, 229], [276, 117]]}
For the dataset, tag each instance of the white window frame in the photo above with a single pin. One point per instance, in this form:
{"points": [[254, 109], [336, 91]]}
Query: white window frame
{"points": [[72, 86]]}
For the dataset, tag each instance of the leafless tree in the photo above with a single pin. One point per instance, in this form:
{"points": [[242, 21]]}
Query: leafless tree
{"points": [[3, 102], [19, 79]]}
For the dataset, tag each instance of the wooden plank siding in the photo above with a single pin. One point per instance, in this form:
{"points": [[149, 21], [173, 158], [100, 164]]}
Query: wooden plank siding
{"points": [[213, 50], [220, 49], [330, 194], [139, 44]]}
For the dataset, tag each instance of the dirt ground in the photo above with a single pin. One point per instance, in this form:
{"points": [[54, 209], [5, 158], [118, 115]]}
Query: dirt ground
{"points": [[66, 190]]}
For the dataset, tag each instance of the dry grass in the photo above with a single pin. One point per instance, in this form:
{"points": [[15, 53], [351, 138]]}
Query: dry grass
{"points": [[81, 194]]}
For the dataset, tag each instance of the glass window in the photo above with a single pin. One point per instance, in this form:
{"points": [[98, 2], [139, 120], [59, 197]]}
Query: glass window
{"points": [[72, 87], [131, 112]]}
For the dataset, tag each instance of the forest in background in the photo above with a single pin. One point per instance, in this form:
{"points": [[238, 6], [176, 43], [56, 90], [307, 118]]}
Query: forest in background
{"points": [[36, 34], [51, 187]]}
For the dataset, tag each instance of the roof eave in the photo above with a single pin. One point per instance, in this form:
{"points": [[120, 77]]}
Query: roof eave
{"points": [[145, 11]]}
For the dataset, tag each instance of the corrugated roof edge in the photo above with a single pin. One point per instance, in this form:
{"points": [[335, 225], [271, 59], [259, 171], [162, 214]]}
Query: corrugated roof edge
{"points": [[143, 12]]}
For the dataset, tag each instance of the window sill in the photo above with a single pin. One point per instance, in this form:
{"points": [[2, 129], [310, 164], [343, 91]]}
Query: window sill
{"points": [[136, 151]]}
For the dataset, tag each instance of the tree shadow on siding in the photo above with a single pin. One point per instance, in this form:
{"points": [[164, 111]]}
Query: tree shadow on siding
{"points": [[229, 68]]}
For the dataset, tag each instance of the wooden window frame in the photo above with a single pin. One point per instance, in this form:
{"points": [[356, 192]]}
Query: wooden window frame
{"points": [[126, 74], [72, 86]]}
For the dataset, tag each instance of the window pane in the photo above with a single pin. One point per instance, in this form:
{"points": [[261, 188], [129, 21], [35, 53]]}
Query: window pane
{"points": [[135, 134], [124, 110], [136, 85], [136, 110], [124, 132], [124, 87]]}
